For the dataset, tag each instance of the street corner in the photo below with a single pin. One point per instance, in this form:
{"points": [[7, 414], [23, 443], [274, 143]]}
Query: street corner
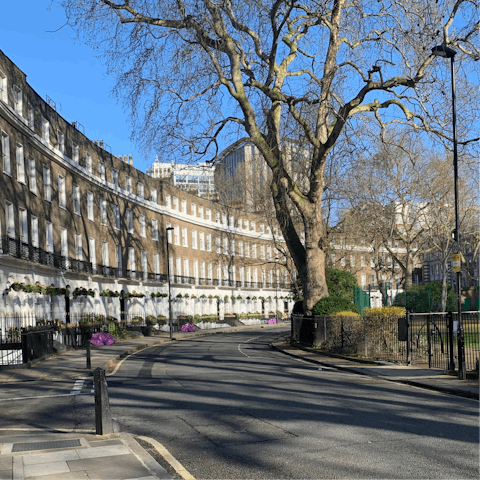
{"points": [[164, 458]]}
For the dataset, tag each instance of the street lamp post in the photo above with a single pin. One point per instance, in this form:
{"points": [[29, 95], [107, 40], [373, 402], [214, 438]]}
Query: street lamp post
{"points": [[169, 286], [276, 289], [446, 52]]}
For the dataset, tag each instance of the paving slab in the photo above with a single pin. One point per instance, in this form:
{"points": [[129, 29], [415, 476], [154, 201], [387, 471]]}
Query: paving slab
{"points": [[39, 458], [6, 462], [62, 476], [107, 451], [6, 474], [45, 469], [104, 443], [120, 467]]}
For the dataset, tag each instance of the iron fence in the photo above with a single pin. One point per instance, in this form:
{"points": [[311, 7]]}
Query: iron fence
{"points": [[27, 337], [10, 337], [37, 342], [417, 338], [433, 338]]}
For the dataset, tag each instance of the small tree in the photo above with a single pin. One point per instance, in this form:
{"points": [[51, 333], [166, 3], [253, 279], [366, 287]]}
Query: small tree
{"points": [[426, 297], [341, 283]]}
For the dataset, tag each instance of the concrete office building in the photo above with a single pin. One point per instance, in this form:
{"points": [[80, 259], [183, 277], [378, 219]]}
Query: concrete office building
{"points": [[197, 179]]}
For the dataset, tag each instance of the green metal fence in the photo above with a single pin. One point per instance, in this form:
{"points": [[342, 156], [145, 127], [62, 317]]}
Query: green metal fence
{"points": [[361, 299]]}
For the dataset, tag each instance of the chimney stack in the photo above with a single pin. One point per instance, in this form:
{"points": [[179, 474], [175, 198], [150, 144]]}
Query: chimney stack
{"points": [[131, 159], [101, 143]]}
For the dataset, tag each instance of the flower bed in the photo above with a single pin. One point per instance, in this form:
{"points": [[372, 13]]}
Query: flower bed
{"points": [[80, 291], [109, 293], [134, 295]]}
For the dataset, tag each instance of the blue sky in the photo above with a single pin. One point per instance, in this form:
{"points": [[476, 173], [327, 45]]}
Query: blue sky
{"points": [[58, 65]]}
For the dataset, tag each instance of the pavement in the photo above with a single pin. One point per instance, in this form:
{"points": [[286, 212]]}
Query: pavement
{"points": [[40, 454]]}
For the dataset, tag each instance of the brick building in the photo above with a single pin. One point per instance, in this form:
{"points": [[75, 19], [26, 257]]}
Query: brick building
{"points": [[74, 215]]}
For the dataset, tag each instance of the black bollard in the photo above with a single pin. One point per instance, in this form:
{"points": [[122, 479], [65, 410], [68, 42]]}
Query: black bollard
{"points": [[89, 356], [103, 416]]}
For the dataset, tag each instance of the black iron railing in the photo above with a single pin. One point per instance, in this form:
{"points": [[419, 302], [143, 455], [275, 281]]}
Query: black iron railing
{"points": [[423, 338], [25, 251]]}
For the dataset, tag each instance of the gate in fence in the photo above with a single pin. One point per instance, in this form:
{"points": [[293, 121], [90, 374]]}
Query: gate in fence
{"points": [[37, 342], [433, 338]]}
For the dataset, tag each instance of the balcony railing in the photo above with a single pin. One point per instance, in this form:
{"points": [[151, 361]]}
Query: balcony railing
{"points": [[25, 251]]}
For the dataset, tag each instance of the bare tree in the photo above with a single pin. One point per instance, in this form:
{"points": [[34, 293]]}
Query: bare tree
{"points": [[390, 195], [439, 221], [193, 72], [402, 201]]}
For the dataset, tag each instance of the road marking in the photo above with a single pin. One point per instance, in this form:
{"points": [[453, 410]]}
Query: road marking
{"points": [[76, 390], [42, 396], [240, 345], [78, 385], [120, 363], [174, 463]]}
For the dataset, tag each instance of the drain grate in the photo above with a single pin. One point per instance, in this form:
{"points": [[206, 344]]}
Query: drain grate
{"points": [[26, 447]]}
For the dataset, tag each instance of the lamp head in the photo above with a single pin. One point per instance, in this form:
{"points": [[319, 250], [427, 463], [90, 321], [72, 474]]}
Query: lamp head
{"points": [[443, 51]]}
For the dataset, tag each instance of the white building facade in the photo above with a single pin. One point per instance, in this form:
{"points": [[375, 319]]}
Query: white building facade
{"points": [[76, 219]]}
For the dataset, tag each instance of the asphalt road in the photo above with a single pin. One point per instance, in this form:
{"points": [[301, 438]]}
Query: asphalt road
{"points": [[227, 406]]}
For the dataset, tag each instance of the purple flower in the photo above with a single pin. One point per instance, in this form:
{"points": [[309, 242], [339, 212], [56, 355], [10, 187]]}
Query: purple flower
{"points": [[188, 327], [100, 339], [272, 321]]}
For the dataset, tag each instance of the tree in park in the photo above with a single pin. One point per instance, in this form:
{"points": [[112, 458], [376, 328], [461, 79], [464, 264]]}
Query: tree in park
{"points": [[195, 73], [390, 197]]}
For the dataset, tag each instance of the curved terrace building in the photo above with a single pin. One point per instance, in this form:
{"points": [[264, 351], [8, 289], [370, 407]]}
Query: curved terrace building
{"points": [[74, 215]]}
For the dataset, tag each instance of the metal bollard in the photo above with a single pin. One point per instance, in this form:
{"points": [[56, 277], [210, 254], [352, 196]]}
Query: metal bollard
{"points": [[103, 416]]}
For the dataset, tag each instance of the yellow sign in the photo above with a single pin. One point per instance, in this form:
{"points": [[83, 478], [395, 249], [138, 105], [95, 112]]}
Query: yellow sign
{"points": [[456, 262]]}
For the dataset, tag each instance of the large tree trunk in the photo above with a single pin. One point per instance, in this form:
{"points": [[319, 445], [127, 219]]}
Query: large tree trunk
{"points": [[314, 284], [408, 271], [314, 279], [308, 256]]}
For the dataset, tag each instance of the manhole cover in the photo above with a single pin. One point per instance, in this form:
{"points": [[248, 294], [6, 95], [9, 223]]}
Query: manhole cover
{"points": [[26, 447]]}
